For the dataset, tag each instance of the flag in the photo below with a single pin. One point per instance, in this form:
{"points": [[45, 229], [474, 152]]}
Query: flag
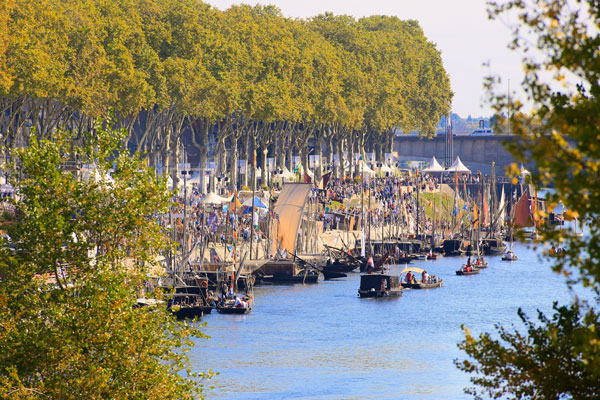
{"points": [[307, 178], [475, 216], [297, 167], [325, 180]]}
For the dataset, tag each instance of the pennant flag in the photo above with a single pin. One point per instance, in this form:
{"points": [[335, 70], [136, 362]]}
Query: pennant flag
{"points": [[297, 167], [475, 216], [307, 178]]}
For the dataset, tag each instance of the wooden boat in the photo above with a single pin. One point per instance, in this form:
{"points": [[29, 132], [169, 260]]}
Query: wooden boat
{"points": [[454, 247], [427, 285], [332, 274], [431, 283], [509, 256], [301, 277], [463, 271], [432, 256], [379, 285], [188, 305], [235, 306], [340, 266], [480, 263], [493, 246]]}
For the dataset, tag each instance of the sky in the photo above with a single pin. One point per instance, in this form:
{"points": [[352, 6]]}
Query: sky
{"points": [[461, 29]]}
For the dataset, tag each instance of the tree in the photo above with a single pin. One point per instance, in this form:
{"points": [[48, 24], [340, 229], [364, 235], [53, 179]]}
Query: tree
{"points": [[559, 357], [79, 253]]}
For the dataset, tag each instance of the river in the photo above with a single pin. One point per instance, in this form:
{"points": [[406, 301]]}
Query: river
{"points": [[323, 342]]}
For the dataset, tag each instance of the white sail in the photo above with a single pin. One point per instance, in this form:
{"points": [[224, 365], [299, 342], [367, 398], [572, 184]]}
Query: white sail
{"points": [[502, 208]]}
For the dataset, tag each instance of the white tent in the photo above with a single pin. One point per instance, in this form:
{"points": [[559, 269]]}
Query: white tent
{"points": [[434, 166], [384, 168], [213, 198], [524, 171], [92, 173], [286, 175], [364, 168], [458, 166]]}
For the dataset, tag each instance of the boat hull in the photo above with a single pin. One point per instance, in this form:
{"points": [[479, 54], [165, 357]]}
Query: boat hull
{"points": [[419, 285], [234, 310], [474, 272], [284, 279], [379, 293]]}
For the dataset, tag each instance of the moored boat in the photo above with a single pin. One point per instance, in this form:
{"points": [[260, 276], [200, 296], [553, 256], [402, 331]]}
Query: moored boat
{"points": [[493, 246], [332, 274]]}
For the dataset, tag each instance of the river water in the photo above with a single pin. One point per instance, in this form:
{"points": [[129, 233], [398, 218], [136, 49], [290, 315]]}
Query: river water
{"points": [[323, 342]]}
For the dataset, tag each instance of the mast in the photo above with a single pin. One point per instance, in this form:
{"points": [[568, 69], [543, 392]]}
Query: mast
{"points": [[253, 194], [362, 210], [418, 187]]}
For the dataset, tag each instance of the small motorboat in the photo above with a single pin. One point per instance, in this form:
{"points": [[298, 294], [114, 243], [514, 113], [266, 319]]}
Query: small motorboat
{"points": [[480, 263], [235, 305], [509, 256], [467, 270], [426, 282]]}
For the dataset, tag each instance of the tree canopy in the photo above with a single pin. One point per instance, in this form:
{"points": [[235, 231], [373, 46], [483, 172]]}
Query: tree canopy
{"points": [[167, 68], [79, 252]]}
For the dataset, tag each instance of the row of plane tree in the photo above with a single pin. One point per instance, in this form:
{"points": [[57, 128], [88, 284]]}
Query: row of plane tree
{"points": [[247, 79]]}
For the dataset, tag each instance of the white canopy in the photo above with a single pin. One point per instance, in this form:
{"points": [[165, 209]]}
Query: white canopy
{"points": [[385, 168], [213, 198], [434, 166], [363, 167], [458, 166], [92, 173], [287, 175]]}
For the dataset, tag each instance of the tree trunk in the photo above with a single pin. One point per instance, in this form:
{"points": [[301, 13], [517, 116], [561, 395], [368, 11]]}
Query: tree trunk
{"points": [[263, 166], [350, 149], [234, 163]]}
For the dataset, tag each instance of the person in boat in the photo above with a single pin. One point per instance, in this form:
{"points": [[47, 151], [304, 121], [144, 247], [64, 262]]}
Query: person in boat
{"points": [[469, 262], [238, 302], [370, 265], [424, 277], [479, 261], [409, 277]]}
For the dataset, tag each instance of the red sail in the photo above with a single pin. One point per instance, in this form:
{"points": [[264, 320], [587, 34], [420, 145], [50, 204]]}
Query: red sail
{"points": [[522, 216]]}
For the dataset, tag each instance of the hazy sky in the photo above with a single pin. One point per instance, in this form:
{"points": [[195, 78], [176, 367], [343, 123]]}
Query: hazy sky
{"points": [[461, 29]]}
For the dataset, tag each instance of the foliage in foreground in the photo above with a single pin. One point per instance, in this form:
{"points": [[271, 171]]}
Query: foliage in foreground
{"points": [[79, 251], [559, 357]]}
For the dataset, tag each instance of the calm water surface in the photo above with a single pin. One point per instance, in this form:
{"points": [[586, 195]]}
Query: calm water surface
{"points": [[322, 342]]}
